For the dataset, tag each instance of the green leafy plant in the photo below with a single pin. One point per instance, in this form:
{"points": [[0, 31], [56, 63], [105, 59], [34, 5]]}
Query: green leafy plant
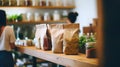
{"points": [[83, 40], [91, 46], [91, 39], [14, 17]]}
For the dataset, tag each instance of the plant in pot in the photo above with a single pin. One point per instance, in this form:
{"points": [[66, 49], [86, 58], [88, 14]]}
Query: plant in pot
{"points": [[90, 47], [14, 18], [82, 42]]}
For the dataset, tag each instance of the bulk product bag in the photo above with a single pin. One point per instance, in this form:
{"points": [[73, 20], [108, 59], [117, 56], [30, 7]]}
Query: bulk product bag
{"points": [[37, 37], [56, 31], [71, 39], [44, 39], [49, 37]]}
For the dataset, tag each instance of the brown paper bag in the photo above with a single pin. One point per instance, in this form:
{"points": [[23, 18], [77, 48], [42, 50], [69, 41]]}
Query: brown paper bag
{"points": [[37, 37], [44, 39], [71, 39], [57, 37]]}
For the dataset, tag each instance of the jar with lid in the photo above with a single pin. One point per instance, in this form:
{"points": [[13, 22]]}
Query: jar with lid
{"points": [[5, 2], [48, 3], [28, 2], [42, 2], [71, 3], [34, 2], [58, 3], [20, 2], [12, 2], [65, 2], [56, 15], [1, 2], [46, 16], [53, 2], [90, 50], [30, 16], [37, 17], [24, 17], [64, 15]]}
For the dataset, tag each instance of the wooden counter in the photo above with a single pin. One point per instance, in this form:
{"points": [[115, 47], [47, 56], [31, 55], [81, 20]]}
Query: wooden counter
{"points": [[62, 59]]}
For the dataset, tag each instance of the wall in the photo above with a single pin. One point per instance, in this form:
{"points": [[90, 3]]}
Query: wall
{"points": [[87, 10]]}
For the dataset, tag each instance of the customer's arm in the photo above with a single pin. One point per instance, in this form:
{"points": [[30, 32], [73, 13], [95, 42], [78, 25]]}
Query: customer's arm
{"points": [[12, 45], [12, 39]]}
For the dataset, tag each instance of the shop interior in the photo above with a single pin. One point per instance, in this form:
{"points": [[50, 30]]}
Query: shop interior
{"points": [[27, 17]]}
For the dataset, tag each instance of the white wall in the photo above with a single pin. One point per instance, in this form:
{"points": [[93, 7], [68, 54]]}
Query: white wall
{"points": [[87, 10]]}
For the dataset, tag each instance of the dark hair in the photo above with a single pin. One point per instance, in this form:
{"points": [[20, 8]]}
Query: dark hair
{"points": [[72, 16], [2, 18]]}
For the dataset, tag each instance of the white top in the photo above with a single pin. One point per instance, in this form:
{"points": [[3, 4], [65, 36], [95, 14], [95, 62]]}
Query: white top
{"points": [[6, 38]]}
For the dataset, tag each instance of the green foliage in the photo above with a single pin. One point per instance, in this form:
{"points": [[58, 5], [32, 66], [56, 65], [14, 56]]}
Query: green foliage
{"points": [[91, 39], [14, 17], [91, 47], [84, 39], [19, 17]]}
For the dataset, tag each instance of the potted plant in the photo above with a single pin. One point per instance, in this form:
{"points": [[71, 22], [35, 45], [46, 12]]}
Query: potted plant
{"points": [[14, 18], [90, 47], [83, 40], [90, 50]]}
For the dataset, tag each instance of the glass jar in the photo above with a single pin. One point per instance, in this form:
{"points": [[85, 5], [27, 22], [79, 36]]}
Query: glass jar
{"points": [[12, 2], [28, 2], [48, 3], [90, 50], [71, 3], [46, 16], [24, 17], [56, 15], [64, 15], [30, 17], [53, 2], [65, 2], [1, 2], [34, 2], [37, 17], [58, 3], [42, 2], [5, 2], [20, 2]]}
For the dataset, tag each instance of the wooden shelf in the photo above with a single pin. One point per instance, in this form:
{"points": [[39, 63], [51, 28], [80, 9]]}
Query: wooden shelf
{"points": [[41, 7], [33, 22], [62, 59]]}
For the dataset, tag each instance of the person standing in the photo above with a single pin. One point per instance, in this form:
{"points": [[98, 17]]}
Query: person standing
{"points": [[7, 39], [71, 18]]}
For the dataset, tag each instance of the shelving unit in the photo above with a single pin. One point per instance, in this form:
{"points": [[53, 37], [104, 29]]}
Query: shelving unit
{"points": [[33, 22], [65, 60], [40, 7]]}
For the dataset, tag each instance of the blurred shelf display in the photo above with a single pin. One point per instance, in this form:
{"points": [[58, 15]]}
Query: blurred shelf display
{"points": [[74, 60], [36, 17], [41, 7], [38, 3], [33, 22]]}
